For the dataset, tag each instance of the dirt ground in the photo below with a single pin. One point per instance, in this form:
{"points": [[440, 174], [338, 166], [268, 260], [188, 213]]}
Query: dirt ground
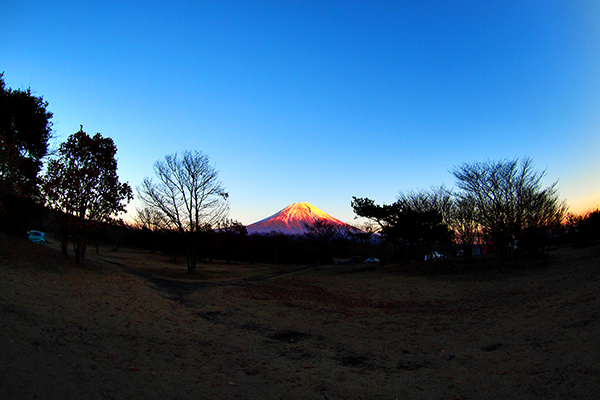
{"points": [[130, 325]]}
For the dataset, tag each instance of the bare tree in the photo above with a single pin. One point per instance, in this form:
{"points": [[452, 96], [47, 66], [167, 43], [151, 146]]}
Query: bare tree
{"points": [[188, 195], [509, 200], [435, 199], [151, 222], [149, 218], [320, 233], [462, 218], [361, 236], [422, 221]]}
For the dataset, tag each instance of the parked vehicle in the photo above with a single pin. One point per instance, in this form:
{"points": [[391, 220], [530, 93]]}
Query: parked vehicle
{"points": [[371, 260], [434, 255], [36, 237]]}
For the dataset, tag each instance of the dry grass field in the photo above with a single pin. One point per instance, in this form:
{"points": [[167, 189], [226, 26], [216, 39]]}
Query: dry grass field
{"points": [[131, 325]]}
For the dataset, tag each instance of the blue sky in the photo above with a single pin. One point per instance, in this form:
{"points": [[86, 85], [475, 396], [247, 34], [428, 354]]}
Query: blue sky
{"points": [[319, 101]]}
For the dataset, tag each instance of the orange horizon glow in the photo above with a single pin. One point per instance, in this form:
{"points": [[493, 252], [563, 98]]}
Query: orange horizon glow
{"points": [[584, 206]]}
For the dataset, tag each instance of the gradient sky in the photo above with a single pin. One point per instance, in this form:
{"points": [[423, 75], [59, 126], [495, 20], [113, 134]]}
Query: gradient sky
{"points": [[319, 101]]}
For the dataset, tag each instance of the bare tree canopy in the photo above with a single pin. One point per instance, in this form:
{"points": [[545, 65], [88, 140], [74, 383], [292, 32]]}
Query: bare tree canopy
{"points": [[510, 204], [462, 218], [149, 218], [436, 198], [188, 194]]}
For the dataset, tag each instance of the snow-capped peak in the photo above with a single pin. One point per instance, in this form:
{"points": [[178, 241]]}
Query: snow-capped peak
{"points": [[292, 219]]}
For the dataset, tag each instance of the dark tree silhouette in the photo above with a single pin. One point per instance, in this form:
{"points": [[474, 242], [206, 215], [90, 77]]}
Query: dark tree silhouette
{"points": [[189, 196], [25, 130], [319, 234], [382, 216], [361, 238], [378, 214], [415, 220], [585, 229], [148, 218], [421, 221], [150, 222], [82, 183], [462, 217], [511, 205], [233, 236]]}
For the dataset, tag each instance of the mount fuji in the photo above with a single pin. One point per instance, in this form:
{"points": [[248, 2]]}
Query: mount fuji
{"points": [[292, 219]]}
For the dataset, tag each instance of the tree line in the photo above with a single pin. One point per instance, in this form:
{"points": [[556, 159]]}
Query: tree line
{"points": [[500, 203]]}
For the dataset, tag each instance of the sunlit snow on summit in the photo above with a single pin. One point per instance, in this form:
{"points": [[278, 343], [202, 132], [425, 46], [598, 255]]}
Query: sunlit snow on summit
{"points": [[292, 219]]}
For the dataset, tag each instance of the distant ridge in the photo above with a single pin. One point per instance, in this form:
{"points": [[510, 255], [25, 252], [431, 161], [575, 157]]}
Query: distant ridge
{"points": [[291, 220]]}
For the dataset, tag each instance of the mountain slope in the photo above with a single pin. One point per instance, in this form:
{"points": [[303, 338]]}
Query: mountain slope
{"points": [[291, 220]]}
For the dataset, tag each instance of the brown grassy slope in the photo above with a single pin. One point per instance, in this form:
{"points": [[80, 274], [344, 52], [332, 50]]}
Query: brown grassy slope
{"points": [[100, 332]]}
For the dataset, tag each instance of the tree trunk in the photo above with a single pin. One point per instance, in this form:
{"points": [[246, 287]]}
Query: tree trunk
{"points": [[79, 244], [64, 246], [192, 252], [191, 264], [64, 237]]}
